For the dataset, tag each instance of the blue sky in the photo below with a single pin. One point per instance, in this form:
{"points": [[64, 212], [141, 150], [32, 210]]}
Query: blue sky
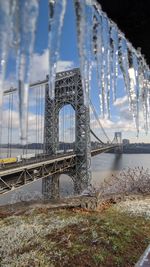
{"points": [[68, 50], [121, 119]]}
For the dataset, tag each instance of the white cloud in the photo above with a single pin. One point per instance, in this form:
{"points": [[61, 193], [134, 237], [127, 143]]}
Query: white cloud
{"points": [[64, 65], [15, 119], [121, 101], [40, 63]]}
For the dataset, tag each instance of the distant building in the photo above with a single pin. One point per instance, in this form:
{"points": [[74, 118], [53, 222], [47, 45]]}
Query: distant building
{"points": [[126, 141]]}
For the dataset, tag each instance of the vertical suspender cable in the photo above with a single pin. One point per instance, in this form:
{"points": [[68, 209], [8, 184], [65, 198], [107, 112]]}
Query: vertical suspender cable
{"points": [[11, 125], [40, 120], [8, 125], [63, 130], [36, 114], [27, 130], [38, 111], [43, 113], [70, 127]]}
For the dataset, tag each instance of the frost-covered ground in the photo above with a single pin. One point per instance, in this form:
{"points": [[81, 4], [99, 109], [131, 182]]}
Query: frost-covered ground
{"points": [[139, 207], [24, 237], [38, 235]]}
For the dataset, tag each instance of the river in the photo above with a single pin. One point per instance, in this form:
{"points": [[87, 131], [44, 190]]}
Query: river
{"points": [[103, 166]]}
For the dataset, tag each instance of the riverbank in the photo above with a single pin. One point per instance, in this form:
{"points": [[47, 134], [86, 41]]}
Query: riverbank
{"points": [[38, 234]]}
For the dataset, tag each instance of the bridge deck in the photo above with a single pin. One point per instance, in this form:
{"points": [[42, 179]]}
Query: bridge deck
{"points": [[20, 174]]}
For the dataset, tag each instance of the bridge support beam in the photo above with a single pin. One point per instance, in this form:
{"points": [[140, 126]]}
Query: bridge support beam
{"points": [[50, 187], [68, 90]]}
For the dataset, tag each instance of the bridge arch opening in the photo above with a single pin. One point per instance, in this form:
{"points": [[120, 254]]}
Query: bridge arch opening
{"points": [[66, 186], [66, 128]]}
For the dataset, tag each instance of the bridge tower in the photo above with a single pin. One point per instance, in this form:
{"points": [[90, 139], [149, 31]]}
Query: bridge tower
{"points": [[68, 90], [118, 140]]}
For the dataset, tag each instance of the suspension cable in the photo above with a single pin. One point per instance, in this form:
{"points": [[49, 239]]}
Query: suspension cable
{"points": [[36, 121], [11, 122], [97, 118], [8, 126], [27, 142], [70, 125], [64, 129], [96, 136], [40, 120]]}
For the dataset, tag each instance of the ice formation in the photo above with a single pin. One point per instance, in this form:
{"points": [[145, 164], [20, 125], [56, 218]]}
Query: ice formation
{"points": [[57, 10], [17, 30], [111, 51], [99, 41]]}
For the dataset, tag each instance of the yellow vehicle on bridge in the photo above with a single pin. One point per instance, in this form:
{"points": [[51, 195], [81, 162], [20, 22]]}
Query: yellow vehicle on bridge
{"points": [[7, 161]]}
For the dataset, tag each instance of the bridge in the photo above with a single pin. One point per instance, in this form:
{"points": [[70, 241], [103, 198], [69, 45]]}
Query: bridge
{"points": [[50, 164], [101, 42]]}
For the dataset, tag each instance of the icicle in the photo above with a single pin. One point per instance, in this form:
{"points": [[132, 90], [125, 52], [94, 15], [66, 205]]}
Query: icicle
{"points": [[4, 42], [106, 65], [145, 98], [100, 57], [97, 51], [142, 93], [130, 78], [27, 16], [115, 46], [84, 22], [56, 17], [14, 25], [109, 67], [136, 73], [124, 65]]}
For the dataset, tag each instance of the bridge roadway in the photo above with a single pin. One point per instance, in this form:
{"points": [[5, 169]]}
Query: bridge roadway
{"points": [[21, 173]]}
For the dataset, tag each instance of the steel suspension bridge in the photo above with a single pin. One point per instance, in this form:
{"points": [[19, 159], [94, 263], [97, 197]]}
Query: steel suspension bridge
{"points": [[50, 161], [99, 41]]}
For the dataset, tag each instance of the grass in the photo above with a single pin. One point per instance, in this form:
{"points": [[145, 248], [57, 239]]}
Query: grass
{"points": [[73, 238]]}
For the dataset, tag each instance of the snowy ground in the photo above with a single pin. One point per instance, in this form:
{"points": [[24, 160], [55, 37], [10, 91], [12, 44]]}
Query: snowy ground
{"points": [[136, 207]]}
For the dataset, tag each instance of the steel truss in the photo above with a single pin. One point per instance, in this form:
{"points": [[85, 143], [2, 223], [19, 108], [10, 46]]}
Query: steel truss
{"points": [[15, 177], [68, 90]]}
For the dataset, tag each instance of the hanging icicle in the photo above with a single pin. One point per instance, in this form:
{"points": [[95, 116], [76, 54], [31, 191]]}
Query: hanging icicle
{"points": [[84, 29], [145, 98], [57, 10], [4, 46], [124, 65], [114, 46], [97, 51], [109, 63], [27, 12], [105, 63], [137, 91]]}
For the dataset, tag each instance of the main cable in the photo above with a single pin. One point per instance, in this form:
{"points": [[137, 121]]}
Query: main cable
{"points": [[97, 118]]}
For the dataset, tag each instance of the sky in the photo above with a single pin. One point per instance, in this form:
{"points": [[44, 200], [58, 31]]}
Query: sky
{"points": [[121, 119]]}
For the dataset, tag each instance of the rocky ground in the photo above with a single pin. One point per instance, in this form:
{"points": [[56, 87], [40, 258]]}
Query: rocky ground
{"points": [[39, 234]]}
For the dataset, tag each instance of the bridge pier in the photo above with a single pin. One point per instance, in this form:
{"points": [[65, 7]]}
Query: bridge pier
{"points": [[68, 90], [50, 187]]}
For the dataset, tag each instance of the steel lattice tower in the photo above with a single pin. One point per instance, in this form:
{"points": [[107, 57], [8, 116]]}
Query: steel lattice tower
{"points": [[68, 90]]}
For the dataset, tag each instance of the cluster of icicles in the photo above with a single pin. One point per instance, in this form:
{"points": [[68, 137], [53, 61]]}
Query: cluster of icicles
{"points": [[18, 19], [99, 41]]}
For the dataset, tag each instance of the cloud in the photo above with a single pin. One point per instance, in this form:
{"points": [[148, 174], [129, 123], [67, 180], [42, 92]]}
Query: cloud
{"points": [[64, 65], [125, 114], [121, 101], [40, 63]]}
